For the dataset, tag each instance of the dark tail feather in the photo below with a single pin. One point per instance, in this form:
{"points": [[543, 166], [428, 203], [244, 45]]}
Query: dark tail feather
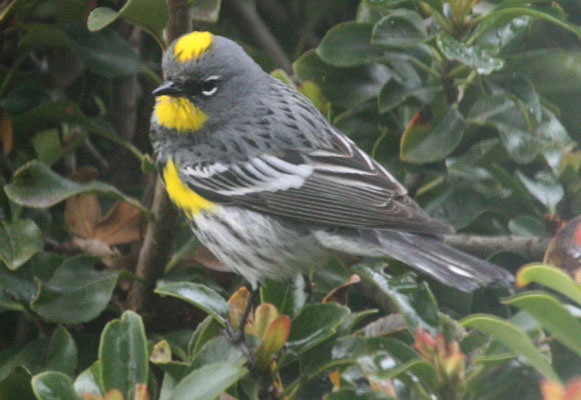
{"points": [[442, 262]]}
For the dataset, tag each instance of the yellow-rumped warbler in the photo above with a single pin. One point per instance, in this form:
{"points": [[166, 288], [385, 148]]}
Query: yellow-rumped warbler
{"points": [[270, 186]]}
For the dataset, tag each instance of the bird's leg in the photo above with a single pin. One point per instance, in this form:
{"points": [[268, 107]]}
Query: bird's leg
{"points": [[236, 336]]}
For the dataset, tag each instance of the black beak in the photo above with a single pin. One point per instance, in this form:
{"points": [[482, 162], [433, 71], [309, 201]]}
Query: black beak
{"points": [[168, 88]]}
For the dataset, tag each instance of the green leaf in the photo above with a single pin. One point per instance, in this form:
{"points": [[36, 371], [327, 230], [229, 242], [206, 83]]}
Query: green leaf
{"points": [[123, 354], [287, 297], [76, 293], [53, 386], [200, 296], [88, 381], [100, 17], [205, 331], [106, 53], [349, 45], [61, 352], [527, 226], [16, 384], [346, 87], [473, 56], [520, 88], [36, 185], [208, 382], [433, 134], [19, 242], [352, 394], [544, 188], [512, 338], [149, 15], [415, 302], [550, 277], [401, 28], [555, 317], [21, 284], [216, 350], [394, 93], [518, 12], [314, 324]]}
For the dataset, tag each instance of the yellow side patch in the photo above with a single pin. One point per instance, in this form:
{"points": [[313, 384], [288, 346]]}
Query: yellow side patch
{"points": [[183, 197], [192, 46], [178, 113]]}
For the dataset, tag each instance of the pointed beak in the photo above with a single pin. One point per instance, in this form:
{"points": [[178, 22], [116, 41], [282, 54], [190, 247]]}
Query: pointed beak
{"points": [[168, 88]]}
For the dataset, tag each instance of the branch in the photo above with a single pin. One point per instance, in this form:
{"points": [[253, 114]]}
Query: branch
{"points": [[482, 246], [256, 27], [154, 252]]}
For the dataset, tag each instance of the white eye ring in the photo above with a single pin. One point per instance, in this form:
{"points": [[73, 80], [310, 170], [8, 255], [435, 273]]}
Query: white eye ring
{"points": [[213, 89]]}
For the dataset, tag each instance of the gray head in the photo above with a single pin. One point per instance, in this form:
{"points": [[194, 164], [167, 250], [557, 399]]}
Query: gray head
{"points": [[205, 77]]}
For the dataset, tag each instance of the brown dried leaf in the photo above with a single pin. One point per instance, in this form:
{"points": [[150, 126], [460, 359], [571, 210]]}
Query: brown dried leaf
{"points": [[6, 132], [122, 224], [339, 294], [82, 214], [205, 257]]}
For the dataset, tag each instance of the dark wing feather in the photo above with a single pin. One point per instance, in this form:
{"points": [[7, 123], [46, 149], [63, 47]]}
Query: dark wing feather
{"points": [[340, 186]]}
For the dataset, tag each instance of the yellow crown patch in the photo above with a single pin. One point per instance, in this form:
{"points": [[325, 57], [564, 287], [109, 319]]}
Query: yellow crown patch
{"points": [[178, 113], [192, 46], [181, 194]]}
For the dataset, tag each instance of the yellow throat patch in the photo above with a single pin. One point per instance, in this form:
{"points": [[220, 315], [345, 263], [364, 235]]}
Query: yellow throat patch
{"points": [[181, 194], [192, 46], [178, 113]]}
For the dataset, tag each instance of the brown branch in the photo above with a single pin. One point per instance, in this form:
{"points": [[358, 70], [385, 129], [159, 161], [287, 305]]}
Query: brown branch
{"points": [[482, 246], [154, 253], [260, 32]]}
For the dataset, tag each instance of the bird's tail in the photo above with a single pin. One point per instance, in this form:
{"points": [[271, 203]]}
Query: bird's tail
{"points": [[429, 255]]}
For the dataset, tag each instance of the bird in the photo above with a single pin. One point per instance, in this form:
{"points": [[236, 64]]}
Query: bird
{"points": [[271, 187]]}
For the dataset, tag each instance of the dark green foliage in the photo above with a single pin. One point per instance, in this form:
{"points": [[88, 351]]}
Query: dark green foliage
{"points": [[475, 107]]}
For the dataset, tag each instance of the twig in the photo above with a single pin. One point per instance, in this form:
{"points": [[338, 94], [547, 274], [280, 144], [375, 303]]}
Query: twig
{"points": [[260, 32], [482, 246], [159, 234]]}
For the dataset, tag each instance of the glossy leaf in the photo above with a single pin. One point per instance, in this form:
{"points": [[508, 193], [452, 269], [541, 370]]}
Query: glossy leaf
{"points": [[432, 134], [21, 284], [208, 382], [415, 303], [550, 277], [19, 241], [345, 87], [287, 297], [149, 15], [394, 93], [200, 296], [544, 188], [123, 354], [314, 324], [401, 28], [553, 315], [349, 45], [53, 386], [62, 352], [218, 349], [76, 293], [512, 338], [473, 56], [88, 381], [36, 185]]}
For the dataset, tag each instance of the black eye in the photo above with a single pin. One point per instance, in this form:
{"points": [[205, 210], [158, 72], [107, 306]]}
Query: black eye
{"points": [[210, 86]]}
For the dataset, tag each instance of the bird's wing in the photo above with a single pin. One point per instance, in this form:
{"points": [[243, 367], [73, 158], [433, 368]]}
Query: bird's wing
{"points": [[340, 186]]}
